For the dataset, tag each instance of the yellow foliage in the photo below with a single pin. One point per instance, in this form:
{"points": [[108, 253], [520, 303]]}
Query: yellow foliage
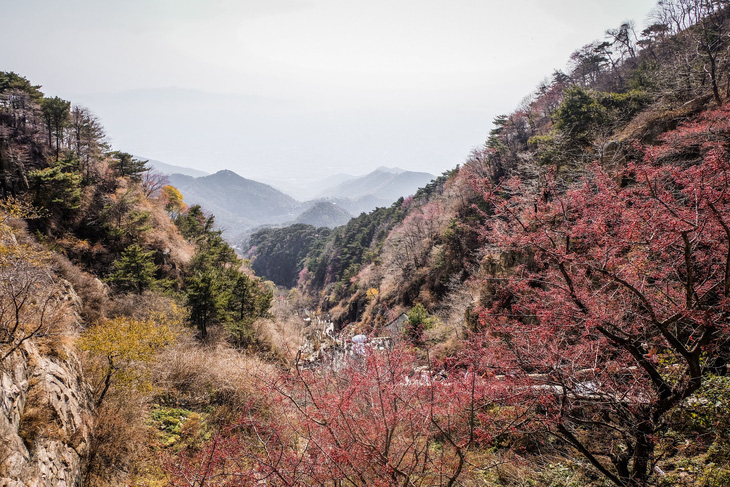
{"points": [[15, 208], [173, 199], [127, 345], [127, 340], [12, 254], [372, 294]]}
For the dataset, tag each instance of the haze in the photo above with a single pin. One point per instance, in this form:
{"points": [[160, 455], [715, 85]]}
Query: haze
{"points": [[286, 91]]}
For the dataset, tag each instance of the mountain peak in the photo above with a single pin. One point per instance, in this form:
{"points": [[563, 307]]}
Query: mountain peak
{"points": [[227, 173], [391, 170]]}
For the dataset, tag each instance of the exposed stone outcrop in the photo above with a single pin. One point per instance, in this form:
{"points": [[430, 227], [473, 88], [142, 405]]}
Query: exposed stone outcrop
{"points": [[45, 413]]}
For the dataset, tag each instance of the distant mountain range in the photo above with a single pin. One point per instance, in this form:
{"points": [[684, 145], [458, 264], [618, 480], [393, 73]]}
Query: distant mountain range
{"points": [[238, 204], [241, 205], [170, 169], [324, 214], [379, 188]]}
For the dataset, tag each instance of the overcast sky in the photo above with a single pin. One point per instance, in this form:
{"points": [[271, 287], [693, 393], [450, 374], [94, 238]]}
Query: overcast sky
{"points": [[277, 89]]}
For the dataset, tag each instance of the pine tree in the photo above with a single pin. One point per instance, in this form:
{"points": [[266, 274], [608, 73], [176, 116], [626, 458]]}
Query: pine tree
{"points": [[57, 187], [206, 297], [125, 165], [248, 301], [56, 113], [135, 269]]}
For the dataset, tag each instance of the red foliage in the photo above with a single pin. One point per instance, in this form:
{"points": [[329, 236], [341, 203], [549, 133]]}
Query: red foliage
{"points": [[377, 420], [616, 307], [621, 295]]}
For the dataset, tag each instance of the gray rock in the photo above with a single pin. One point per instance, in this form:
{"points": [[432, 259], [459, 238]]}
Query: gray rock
{"points": [[45, 419]]}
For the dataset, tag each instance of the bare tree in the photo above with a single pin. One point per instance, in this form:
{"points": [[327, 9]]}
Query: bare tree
{"points": [[153, 182], [29, 298], [702, 25]]}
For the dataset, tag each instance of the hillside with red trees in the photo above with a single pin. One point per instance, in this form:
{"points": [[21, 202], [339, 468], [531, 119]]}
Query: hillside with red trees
{"points": [[566, 293]]}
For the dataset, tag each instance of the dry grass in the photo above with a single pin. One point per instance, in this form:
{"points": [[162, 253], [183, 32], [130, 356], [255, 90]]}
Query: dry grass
{"points": [[285, 332], [39, 418], [118, 438], [140, 306], [93, 293], [281, 338], [659, 118], [164, 234], [193, 376]]}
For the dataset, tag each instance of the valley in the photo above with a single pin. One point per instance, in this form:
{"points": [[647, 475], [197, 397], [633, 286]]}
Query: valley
{"points": [[552, 311]]}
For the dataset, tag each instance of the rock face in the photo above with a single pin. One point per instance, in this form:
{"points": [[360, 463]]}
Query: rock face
{"points": [[45, 415]]}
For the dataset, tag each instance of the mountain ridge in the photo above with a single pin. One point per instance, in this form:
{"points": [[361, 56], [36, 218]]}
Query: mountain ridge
{"points": [[241, 204], [169, 169]]}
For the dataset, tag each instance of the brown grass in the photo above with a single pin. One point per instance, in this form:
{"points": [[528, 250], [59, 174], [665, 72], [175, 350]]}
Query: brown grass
{"points": [[138, 306], [93, 293], [164, 234], [193, 376], [119, 437], [38, 419], [284, 332]]}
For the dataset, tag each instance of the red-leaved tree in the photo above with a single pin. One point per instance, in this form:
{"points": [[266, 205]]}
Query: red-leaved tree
{"points": [[613, 296], [374, 420]]}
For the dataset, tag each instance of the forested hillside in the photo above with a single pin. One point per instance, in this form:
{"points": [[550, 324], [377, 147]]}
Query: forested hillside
{"points": [[565, 289], [115, 300]]}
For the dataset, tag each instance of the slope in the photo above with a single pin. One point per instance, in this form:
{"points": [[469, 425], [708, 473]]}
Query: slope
{"points": [[238, 203], [379, 188]]}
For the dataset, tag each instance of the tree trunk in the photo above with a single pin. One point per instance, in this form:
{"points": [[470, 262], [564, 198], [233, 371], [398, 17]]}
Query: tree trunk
{"points": [[713, 80], [642, 455]]}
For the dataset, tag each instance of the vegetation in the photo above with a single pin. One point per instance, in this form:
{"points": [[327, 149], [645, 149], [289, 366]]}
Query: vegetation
{"points": [[624, 277], [556, 307], [135, 269], [29, 308], [279, 253], [593, 228], [217, 290], [123, 343], [74, 214], [360, 426]]}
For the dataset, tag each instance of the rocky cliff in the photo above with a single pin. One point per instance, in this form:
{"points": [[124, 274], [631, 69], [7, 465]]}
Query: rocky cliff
{"points": [[45, 411]]}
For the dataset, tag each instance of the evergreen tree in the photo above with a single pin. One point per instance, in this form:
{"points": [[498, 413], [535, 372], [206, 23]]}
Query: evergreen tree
{"points": [[211, 276], [217, 291], [125, 165], [10, 81], [57, 187], [135, 269], [193, 224], [56, 112], [206, 296], [88, 141], [248, 301], [418, 322]]}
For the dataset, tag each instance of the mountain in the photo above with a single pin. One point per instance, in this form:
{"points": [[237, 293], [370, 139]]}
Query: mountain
{"points": [[171, 169], [325, 214], [237, 203], [240, 204], [556, 306], [306, 189], [335, 179], [379, 188]]}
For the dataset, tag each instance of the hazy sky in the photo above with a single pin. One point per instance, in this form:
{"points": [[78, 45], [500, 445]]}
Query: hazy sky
{"points": [[274, 89]]}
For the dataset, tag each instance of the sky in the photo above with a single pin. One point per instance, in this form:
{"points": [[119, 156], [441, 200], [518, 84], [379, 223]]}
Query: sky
{"points": [[292, 91]]}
